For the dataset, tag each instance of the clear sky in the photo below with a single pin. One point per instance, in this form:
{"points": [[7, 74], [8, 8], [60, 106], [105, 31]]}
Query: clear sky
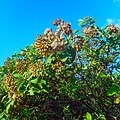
{"points": [[22, 20]]}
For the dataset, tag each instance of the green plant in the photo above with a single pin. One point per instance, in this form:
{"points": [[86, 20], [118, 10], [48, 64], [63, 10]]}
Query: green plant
{"points": [[66, 72]]}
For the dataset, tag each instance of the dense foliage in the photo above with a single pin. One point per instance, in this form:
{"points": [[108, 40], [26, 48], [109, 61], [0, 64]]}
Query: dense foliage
{"points": [[64, 75]]}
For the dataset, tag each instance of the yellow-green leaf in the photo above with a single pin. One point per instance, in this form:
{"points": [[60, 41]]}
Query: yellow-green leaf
{"points": [[117, 101], [88, 116], [8, 106], [103, 75], [18, 75], [31, 92], [34, 80]]}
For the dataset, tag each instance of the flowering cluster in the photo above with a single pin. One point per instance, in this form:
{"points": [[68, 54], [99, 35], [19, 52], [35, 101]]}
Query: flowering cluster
{"points": [[11, 86], [7, 63], [63, 27], [36, 68], [90, 31], [53, 41], [113, 28], [79, 41], [8, 80], [33, 70], [21, 65], [57, 66], [42, 45]]}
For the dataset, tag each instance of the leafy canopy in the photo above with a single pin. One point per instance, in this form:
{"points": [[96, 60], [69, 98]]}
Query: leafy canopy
{"points": [[74, 74]]}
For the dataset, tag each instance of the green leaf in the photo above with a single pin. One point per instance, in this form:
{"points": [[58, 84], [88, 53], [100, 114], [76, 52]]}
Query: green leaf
{"points": [[93, 62], [14, 55], [88, 116], [4, 97], [34, 80], [31, 91], [1, 115], [92, 21], [66, 108], [117, 101], [23, 50], [43, 82], [74, 88], [49, 60], [64, 59], [74, 31], [103, 76], [68, 53], [20, 84], [44, 90], [37, 91], [17, 75], [3, 119], [80, 21], [40, 85], [63, 56], [43, 85], [118, 65], [86, 67], [113, 90], [72, 53], [8, 106]]}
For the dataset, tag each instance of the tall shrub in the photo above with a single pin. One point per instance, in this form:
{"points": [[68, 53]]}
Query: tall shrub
{"points": [[64, 75]]}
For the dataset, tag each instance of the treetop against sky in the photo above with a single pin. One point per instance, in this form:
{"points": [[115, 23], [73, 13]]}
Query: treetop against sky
{"points": [[22, 20]]}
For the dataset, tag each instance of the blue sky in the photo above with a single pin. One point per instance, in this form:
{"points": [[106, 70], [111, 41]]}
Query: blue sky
{"points": [[22, 20]]}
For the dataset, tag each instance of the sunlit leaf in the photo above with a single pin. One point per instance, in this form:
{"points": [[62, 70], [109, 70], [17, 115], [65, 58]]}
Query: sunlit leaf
{"points": [[85, 68], [20, 84], [1, 116], [117, 101], [31, 91], [35, 80], [17, 75], [64, 59], [8, 106], [88, 116], [103, 75]]}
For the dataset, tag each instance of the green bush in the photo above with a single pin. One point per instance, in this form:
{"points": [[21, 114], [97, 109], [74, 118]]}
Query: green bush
{"points": [[64, 75]]}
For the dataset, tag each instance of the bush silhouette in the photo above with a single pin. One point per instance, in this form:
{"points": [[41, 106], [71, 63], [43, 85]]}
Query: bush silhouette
{"points": [[64, 75]]}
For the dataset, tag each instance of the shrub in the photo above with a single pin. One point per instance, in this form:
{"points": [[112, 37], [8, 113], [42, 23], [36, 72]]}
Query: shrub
{"points": [[64, 75]]}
